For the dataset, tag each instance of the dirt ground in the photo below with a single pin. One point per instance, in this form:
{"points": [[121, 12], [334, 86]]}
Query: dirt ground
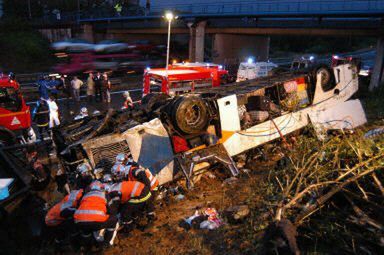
{"points": [[166, 237]]}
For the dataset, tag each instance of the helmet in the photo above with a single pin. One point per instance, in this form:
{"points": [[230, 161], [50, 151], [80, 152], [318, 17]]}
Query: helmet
{"points": [[96, 185], [126, 94], [84, 110], [84, 169], [119, 171], [107, 178], [120, 158]]}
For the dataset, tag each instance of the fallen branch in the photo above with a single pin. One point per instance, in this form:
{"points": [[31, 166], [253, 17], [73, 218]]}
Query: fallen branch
{"points": [[363, 216], [320, 201], [378, 183], [362, 191]]}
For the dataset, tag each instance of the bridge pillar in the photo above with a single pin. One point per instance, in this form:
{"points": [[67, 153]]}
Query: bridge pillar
{"points": [[377, 75], [231, 46], [196, 41], [87, 32]]}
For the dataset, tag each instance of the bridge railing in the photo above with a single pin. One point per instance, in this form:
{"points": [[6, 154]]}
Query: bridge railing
{"points": [[277, 7], [227, 7]]}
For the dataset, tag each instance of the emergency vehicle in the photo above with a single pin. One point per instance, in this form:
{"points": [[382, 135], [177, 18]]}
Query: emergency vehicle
{"points": [[183, 78], [15, 117], [250, 70]]}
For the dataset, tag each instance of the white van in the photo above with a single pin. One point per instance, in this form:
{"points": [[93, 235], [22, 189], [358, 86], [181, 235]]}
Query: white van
{"points": [[249, 71]]}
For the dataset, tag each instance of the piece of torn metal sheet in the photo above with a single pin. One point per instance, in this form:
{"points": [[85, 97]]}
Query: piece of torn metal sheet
{"points": [[151, 148], [345, 115], [229, 115]]}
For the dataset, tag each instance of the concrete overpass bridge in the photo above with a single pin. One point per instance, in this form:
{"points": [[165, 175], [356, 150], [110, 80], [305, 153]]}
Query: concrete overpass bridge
{"points": [[233, 26]]}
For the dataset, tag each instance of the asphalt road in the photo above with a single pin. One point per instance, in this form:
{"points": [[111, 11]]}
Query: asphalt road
{"points": [[68, 108]]}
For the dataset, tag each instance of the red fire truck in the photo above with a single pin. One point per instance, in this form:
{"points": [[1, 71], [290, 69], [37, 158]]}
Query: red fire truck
{"points": [[183, 78], [15, 117]]}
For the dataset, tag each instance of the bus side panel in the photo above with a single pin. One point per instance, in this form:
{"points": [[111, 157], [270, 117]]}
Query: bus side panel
{"points": [[265, 132]]}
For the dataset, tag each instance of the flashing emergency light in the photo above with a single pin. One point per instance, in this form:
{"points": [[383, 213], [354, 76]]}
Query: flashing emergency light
{"points": [[250, 60], [148, 68], [220, 67]]}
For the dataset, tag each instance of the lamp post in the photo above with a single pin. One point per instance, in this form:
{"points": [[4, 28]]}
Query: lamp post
{"points": [[169, 17]]}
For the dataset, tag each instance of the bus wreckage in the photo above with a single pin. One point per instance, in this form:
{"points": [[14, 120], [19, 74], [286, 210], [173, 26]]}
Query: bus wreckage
{"points": [[179, 135]]}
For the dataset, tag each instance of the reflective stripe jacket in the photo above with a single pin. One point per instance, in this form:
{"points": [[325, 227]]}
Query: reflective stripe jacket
{"points": [[128, 190], [135, 174], [54, 216], [93, 208]]}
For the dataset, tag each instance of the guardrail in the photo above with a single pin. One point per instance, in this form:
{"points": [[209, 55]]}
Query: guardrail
{"points": [[278, 7], [260, 7]]}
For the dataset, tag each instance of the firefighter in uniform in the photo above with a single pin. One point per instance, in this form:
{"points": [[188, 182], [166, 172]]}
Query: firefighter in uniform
{"points": [[41, 116], [95, 213], [84, 175], [137, 173], [119, 172], [134, 198], [59, 218]]}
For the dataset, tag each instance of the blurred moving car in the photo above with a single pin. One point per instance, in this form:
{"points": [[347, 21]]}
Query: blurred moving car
{"points": [[366, 69], [110, 46], [72, 45]]}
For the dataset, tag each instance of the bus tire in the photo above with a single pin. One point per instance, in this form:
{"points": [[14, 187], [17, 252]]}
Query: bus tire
{"points": [[7, 137], [190, 115], [153, 100], [326, 77]]}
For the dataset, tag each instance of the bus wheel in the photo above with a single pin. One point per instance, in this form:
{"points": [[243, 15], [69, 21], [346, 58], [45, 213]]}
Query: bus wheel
{"points": [[7, 137], [190, 115], [153, 100], [326, 78]]}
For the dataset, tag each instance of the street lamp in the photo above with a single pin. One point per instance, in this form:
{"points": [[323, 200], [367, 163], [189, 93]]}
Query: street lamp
{"points": [[169, 17]]}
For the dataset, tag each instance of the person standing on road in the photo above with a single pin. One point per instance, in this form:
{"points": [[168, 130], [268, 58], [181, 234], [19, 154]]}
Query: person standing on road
{"points": [[44, 88], [90, 88], [41, 116], [98, 84], [106, 83], [54, 84], [66, 87], [53, 112], [76, 84]]}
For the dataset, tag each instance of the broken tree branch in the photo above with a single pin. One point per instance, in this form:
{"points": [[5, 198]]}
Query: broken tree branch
{"points": [[378, 183], [320, 201], [364, 218]]}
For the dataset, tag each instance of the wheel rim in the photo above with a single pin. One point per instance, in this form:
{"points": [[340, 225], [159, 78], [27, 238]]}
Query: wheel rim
{"points": [[192, 115]]}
